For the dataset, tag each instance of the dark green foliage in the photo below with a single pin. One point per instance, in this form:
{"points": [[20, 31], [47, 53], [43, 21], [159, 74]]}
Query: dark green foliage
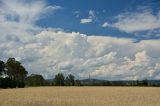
{"points": [[35, 80], [78, 83], [59, 79], [70, 80], [145, 82], [2, 67], [142, 83], [16, 74], [7, 83], [49, 82], [15, 70], [20, 84]]}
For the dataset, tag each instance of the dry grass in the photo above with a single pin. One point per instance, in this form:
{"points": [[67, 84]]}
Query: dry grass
{"points": [[81, 96]]}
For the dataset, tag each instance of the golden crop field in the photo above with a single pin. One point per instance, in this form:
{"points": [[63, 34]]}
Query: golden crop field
{"points": [[81, 96]]}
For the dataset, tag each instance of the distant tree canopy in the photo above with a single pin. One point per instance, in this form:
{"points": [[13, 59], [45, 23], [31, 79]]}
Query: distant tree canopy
{"points": [[145, 82], [70, 80], [59, 79], [35, 80], [78, 83]]}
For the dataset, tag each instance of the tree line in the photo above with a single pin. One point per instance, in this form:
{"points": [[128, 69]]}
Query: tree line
{"points": [[58, 80], [13, 75]]}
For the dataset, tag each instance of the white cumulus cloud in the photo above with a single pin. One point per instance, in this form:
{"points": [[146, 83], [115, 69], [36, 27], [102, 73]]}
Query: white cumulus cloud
{"points": [[104, 25], [49, 51]]}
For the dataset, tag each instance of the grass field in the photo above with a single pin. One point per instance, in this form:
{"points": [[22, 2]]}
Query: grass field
{"points": [[81, 96]]}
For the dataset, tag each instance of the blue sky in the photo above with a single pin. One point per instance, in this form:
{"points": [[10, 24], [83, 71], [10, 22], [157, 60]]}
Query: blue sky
{"points": [[68, 18], [106, 39]]}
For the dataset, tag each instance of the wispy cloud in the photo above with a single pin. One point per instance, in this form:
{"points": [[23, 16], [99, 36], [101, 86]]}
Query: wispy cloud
{"points": [[104, 25], [76, 13], [25, 12], [137, 22], [18, 17], [91, 17], [85, 21], [92, 14]]}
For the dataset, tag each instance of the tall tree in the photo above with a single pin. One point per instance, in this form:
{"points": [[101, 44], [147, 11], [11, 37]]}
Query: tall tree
{"points": [[70, 80], [59, 79], [2, 67], [15, 70]]}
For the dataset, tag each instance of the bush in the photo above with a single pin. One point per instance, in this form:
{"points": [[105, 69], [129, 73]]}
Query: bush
{"points": [[20, 84], [7, 83]]}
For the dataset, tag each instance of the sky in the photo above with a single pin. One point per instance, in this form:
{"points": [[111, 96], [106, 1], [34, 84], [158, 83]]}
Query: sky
{"points": [[105, 39]]}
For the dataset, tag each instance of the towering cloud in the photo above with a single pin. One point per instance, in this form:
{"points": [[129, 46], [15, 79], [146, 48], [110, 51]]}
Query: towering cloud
{"points": [[50, 52]]}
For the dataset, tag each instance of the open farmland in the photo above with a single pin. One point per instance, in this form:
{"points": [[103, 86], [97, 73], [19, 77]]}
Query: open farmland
{"points": [[81, 96]]}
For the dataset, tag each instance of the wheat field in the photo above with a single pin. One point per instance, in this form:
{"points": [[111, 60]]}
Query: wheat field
{"points": [[80, 96]]}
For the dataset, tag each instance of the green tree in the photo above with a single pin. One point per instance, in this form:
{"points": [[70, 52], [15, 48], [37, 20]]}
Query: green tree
{"points": [[70, 80], [145, 82], [78, 83], [2, 67], [59, 79], [15, 70], [35, 80]]}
